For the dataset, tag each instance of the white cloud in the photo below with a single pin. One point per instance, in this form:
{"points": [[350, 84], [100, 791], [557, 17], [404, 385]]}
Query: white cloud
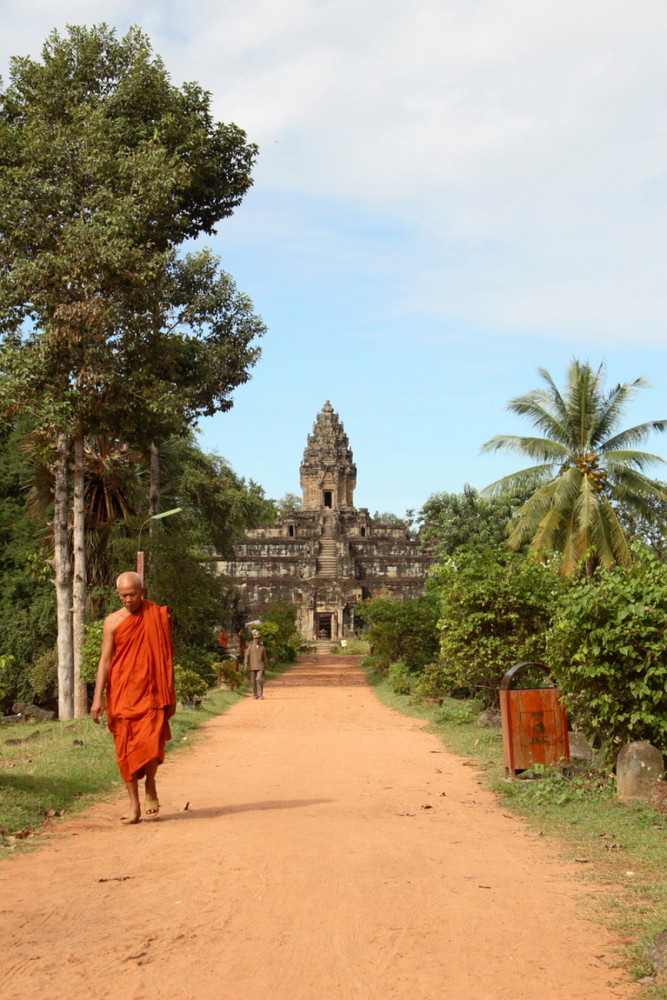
{"points": [[517, 141]]}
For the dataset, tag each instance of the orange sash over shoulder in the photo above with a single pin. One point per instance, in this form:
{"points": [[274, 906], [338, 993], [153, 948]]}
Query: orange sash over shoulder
{"points": [[140, 689]]}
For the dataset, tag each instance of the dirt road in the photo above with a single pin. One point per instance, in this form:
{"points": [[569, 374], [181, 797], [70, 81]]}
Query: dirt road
{"points": [[332, 850]]}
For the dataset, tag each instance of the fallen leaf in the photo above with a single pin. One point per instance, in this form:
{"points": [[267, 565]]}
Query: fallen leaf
{"points": [[115, 878], [582, 861], [186, 807], [606, 836]]}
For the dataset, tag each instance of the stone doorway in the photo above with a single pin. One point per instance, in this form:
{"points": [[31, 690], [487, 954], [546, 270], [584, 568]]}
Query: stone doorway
{"points": [[324, 626], [327, 498]]}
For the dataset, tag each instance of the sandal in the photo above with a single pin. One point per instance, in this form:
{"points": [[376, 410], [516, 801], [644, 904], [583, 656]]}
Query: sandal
{"points": [[131, 819], [151, 809]]}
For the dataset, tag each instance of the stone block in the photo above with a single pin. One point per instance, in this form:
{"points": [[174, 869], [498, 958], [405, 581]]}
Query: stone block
{"points": [[638, 768]]}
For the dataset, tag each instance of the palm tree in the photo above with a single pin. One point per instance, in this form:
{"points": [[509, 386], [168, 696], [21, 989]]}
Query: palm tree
{"points": [[586, 468]]}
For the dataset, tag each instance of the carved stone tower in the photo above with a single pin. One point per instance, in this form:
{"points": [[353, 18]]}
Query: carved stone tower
{"points": [[326, 556], [328, 473]]}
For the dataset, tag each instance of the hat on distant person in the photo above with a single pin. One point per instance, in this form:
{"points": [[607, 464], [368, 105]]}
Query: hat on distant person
{"points": [[255, 632]]}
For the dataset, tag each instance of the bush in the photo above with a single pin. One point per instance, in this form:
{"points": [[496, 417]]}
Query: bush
{"points": [[279, 634], [42, 676], [190, 687], [608, 651], [228, 672], [198, 661], [400, 677], [495, 610], [402, 629]]}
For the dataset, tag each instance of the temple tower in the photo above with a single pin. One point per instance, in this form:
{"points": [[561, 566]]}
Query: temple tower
{"points": [[326, 556], [328, 473]]}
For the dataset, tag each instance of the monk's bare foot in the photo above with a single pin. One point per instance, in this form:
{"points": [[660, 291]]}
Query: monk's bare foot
{"points": [[151, 808], [131, 819]]}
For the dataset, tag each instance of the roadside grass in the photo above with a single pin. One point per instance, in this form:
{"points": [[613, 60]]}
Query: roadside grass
{"points": [[621, 850], [59, 768]]}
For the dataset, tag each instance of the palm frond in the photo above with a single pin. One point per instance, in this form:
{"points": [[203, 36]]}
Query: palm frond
{"points": [[608, 537], [624, 476], [529, 516], [540, 448], [535, 405], [612, 408], [519, 481], [633, 435]]}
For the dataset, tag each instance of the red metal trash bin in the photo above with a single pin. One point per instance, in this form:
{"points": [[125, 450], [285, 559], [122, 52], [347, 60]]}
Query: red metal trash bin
{"points": [[534, 723]]}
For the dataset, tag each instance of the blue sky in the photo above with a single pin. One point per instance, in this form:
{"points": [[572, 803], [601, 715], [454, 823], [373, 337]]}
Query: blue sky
{"points": [[449, 195]]}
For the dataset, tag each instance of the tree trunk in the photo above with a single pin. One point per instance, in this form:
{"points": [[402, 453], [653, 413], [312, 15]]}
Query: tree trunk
{"points": [[154, 498], [63, 571], [80, 576]]}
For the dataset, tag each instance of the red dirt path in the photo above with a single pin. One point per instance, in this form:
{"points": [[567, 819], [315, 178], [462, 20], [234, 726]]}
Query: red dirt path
{"points": [[332, 850]]}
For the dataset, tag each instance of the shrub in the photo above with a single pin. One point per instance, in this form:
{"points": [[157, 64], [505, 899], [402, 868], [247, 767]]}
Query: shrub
{"points": [[400, 677], [402, 629], [608, 650], [228, 672], [42, 676], [279, 634], [495, 610], [189, 685]]}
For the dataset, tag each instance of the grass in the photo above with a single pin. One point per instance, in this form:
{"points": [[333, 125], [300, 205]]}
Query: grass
{"points": [[59, 768], [622, 850]]}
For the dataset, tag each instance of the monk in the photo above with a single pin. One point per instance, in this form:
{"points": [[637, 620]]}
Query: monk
{"points": [[136, 669]]}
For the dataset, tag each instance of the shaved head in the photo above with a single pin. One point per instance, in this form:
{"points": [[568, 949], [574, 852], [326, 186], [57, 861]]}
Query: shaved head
{"points": [[129, 580]]}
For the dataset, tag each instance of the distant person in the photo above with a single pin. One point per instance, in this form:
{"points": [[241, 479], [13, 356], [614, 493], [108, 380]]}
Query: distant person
{"points": [[136, 669], [223, 640], [256, 660]]}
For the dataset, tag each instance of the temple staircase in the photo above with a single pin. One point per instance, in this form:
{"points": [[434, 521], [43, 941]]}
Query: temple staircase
{"points": [[327, 558]]}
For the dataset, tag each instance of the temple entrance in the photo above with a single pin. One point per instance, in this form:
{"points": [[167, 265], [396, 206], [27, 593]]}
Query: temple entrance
{"points": [[324, 626], [327, 498]]}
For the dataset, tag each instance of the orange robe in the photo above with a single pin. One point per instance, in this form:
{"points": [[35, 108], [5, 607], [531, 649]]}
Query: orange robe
{"points": [[140, 690]]}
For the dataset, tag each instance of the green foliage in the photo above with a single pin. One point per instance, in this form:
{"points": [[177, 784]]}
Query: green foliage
{"points": [[608, 651], [586, 467], [494, 612], [459, 713], [189, 685], [228, 672], [550, 785], [450, 521], [198, 661], [92, 650], [279, 634], [42, 676], [400, 677], [285, 506], [5, 662], [27, 600], [402, 630]]}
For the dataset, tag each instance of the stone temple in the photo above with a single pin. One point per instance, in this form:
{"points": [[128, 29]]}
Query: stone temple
{"points": [[326, 556]]}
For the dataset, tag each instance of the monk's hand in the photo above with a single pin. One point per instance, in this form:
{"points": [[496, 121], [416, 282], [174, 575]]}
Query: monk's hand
{"points": [[97, 711]]}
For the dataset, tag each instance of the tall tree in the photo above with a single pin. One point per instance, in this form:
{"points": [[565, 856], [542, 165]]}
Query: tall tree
{"points": [[105, 167], [587, 466]]}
